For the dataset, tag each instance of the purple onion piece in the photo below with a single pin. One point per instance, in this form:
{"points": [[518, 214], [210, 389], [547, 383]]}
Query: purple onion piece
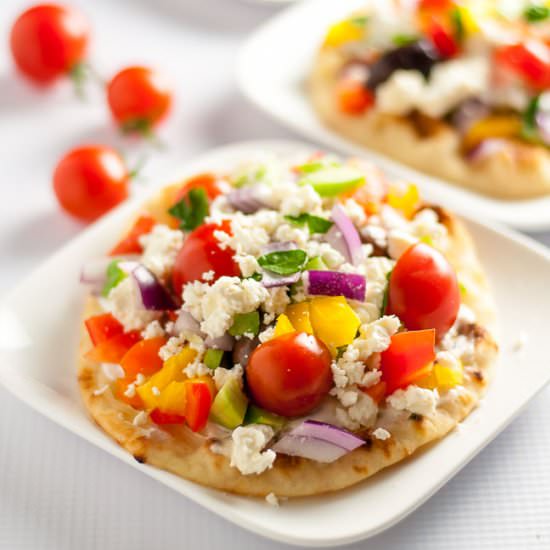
{"points": [[335, 283], [245, 200], [225, 342], [469, 111], [153, 295], [543, 124], [186, 323], [350, 235], [485, 149]]}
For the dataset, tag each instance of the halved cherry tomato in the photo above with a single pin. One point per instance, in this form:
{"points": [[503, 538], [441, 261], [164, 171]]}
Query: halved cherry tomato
{"points": [[289, 375], [47, 41], [197, 406], [102, 327], [376, 392], [139, 98], [160, 417], [114, 349], [90, 180], [143, 358], [353, 97], [200, 253], [130, 243], [208, 182], [423, 290], [530, 61], [443, 40], [408, 359]]}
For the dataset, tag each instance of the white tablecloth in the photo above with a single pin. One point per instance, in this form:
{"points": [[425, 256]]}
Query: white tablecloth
{"points": [[60, 493]]}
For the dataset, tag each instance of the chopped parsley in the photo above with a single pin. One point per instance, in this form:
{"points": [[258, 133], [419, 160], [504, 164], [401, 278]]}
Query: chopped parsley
{"points": [[114, 276], [529, 130], [315, 224], [386, 293], [458, 24], [404, 39], [191, 209], [284, 262], [536, 13]]}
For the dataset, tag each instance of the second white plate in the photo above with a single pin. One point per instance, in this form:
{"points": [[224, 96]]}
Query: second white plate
{"points": [[273, 68]]}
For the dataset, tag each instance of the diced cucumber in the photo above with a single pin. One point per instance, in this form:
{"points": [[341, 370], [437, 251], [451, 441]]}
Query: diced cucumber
{"points": [[316, 264], [213, 358], [229, 406], [245, 323], [334, 180], [256, 415]]}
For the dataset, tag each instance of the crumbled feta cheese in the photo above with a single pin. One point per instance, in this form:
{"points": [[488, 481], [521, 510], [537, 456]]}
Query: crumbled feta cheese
{"points": [[101, 390], [221, 375], [215, 306], [414, 399], [272, 500], [449, 84], [247, 264], [277, 300], [247, 235], [354, 212], [140, 419], [155, 391], [299, 235], [448, 360], [381, 433], [247, 454], [196, 368], [398, 242], [208, 276], [152, 330], [266, 334], [299, 199], [124, 302], [330, 256], [160, 248], [112, 371], [362, 413], [130, 391], [425, 226], [174, 346]]}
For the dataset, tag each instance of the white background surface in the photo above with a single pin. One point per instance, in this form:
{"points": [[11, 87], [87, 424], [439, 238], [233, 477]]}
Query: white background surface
{"points": [[58, 492]]}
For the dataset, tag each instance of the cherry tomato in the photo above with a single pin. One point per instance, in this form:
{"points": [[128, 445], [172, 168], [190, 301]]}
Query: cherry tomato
{"points": [[409, 358], [423, 290], [208, 182], [90, 180], [49, 40], [130, 243], [200, 253], [289, 375], [113, 349], [531, 61], [353, 97], [102, 327], [143, 358], [139, 98]]}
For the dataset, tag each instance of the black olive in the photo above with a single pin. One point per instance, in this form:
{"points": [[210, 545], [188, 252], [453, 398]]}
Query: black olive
{"points": [[242, 350], [420, 56]]}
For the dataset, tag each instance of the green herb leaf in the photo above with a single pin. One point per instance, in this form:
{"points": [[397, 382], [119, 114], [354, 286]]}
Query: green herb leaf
{"points": [[191, 210], [213, 358], [386, 293], [316, 224], [536, 13], [529, 130], [245, 323], [284, 262], [458, 24], [359, 21], [256, 276], [114, 276], [404, 39]]}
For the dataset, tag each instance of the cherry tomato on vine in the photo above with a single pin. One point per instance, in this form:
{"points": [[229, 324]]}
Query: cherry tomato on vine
{"points": [[90, 180], [423, 290], [139, 98], [200, 253], [48, 41], [289, 375]]}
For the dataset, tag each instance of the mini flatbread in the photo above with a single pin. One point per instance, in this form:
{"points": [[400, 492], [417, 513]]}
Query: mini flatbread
{"points": [[178, 450]]}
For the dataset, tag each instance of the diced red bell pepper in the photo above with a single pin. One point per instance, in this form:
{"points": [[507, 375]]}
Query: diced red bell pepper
{"points": [[102, 327], [409, 358], [143, 358], [121, 386], [530, 61], [197, 407], [376, 392], [353, 97], [443, 40], [130, 243], [160, 417], [435, 5], [113, 349]]}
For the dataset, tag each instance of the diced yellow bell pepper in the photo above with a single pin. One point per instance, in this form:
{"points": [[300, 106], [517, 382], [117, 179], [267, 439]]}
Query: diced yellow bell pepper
{"points": [[333, 321], [298, 315], [404, 197], [496, 126], [442, 377], [429, 381], [283, 326], [342, 32], [173, 398], [172, 371]]}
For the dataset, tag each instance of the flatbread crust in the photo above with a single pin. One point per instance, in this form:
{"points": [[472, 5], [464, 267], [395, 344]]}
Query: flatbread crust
{"points": [[518, 171], [188, 455]]}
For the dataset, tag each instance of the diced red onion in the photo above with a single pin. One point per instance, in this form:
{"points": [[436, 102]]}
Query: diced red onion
{"points": [[350, 245], [485, 149], [225, 342], [543, 125], [245, 200], [336, 283], [318, 441], [243, 349], [469, 111], [271, 280], [186, 323], [153, 295]]}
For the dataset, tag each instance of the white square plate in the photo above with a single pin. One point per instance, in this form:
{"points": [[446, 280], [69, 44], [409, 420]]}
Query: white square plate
{"points": [[273, 69], [39, 329]]}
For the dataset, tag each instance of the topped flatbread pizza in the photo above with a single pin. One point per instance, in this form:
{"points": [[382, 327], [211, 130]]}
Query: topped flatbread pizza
{"points": [[290, 326], [455, 88]]}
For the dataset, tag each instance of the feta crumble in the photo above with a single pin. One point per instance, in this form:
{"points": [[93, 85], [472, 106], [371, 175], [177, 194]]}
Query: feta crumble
{"points": [[160, 248], [414, 399], [152, 330], [272, 500], [247, 453], [381, 433]]}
